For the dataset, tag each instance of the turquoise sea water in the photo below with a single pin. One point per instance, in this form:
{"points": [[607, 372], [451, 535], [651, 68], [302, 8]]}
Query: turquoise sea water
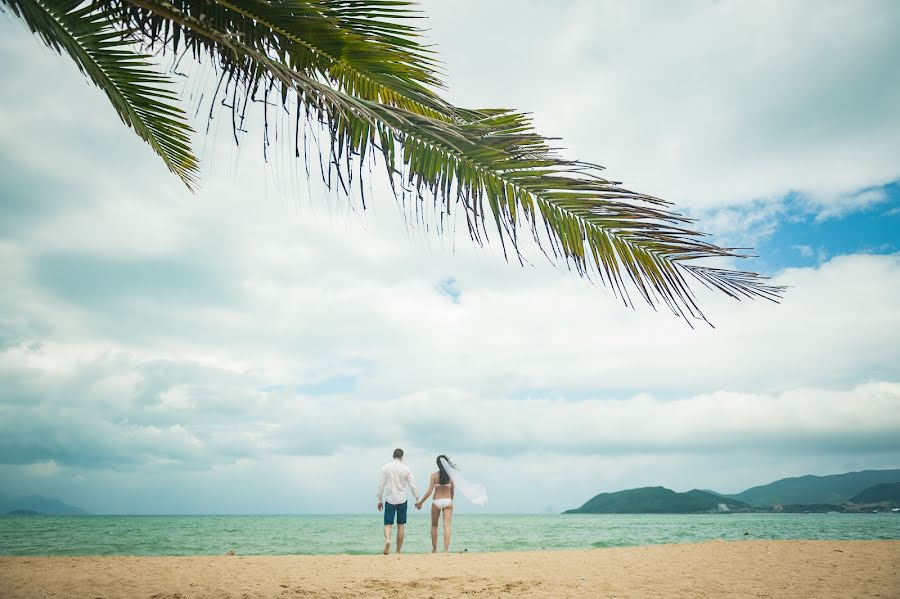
{"points": [[276, 535]]}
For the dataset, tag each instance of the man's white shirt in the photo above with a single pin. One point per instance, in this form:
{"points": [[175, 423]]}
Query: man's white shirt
{"points": [[392, 486]]}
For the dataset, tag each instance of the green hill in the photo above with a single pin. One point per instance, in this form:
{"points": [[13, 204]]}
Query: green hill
{"points": [[654, 500], [889, 492], [833, 489]]}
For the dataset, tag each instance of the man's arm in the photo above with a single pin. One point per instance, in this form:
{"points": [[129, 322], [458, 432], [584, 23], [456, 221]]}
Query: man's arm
{"points": [[412, 485], [380, 492]]}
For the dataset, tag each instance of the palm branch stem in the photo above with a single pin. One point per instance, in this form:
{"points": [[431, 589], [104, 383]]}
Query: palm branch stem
{"points": [[435, 108]]}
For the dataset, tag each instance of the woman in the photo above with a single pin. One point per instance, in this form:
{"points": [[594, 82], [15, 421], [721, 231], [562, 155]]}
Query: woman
{"points": [[444, 489]]}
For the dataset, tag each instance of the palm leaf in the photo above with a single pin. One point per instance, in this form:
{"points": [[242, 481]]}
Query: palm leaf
{"points": [[498, 165], [136, 90], [494, 164], [365, 49], [356, 68]]}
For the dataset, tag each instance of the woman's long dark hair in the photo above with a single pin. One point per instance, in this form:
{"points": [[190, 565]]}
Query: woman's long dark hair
{"points": [[443, 477]]}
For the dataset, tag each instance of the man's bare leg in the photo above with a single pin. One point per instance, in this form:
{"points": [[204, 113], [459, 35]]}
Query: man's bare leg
{"points": [[400, 531], [387, 539]]}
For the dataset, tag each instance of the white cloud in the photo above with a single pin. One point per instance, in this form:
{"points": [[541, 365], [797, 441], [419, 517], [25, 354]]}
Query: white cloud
{"points": [[851, 202], [704, 103], [781, 401], [322, 455]]}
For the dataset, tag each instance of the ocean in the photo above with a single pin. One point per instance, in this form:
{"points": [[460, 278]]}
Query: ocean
{"points": [[279, 535]]}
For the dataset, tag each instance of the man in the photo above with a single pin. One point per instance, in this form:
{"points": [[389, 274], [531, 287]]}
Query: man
{"points": [[395, 476]]}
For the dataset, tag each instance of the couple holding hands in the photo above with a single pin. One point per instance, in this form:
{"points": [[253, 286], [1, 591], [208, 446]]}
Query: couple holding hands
{"points": [[396, 476]]}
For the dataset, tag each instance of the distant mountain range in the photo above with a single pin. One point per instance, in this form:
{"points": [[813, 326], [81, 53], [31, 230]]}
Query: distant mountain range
{"points": [[803, 493], [836, 488], [39, 504]]}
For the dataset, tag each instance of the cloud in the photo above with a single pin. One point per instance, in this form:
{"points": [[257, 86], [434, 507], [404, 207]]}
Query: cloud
{"points": [[116, 410], [103, 282], [321, 454], [708, 104], [852, 202]]}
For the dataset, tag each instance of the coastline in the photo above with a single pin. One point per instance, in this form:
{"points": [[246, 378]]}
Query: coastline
{"points": [[758, 568]]}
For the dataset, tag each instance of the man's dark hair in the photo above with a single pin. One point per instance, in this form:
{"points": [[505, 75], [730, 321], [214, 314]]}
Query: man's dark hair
{"points": [[398, 454]]}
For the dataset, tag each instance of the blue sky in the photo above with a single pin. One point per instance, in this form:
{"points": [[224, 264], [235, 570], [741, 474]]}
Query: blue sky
{"points": [[261, 347], [802, 238]]}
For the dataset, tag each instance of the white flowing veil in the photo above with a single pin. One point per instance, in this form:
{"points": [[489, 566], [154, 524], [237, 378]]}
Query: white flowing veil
{"points": [[474, 492]]}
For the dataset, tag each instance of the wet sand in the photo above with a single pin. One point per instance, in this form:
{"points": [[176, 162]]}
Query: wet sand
{"points": [[712, 569]]}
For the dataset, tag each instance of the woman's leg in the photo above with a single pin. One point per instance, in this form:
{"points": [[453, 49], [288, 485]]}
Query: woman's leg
{"points": [[435, 512], [448, 517]]}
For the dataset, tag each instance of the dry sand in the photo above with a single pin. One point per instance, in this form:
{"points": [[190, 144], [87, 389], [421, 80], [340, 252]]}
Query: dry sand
{"points": [[713, 569]]}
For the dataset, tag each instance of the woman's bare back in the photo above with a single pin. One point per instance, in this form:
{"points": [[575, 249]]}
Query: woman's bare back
{"points": [[441, 491]]}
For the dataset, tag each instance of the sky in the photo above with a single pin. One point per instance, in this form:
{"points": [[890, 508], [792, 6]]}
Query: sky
{"points": [[262, 345]]}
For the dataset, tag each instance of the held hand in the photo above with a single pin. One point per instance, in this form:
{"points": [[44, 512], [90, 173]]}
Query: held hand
{"points": [[380, 505], [418, 505]]}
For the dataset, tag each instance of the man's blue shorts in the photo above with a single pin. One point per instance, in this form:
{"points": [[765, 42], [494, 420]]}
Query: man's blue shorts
{"points": [[390, 509]]}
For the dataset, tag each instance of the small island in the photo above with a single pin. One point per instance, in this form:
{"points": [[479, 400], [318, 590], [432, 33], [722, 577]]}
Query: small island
{"points": [[36, 505]]}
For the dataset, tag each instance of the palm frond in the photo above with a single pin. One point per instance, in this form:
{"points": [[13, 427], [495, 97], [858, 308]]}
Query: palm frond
{"points": [[495, 165], [356, 68], [498, 165], [140, 94], [365, 49]]}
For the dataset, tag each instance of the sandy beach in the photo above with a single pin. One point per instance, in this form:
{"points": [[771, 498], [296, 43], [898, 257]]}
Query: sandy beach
{"points": [[711, 569]]}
